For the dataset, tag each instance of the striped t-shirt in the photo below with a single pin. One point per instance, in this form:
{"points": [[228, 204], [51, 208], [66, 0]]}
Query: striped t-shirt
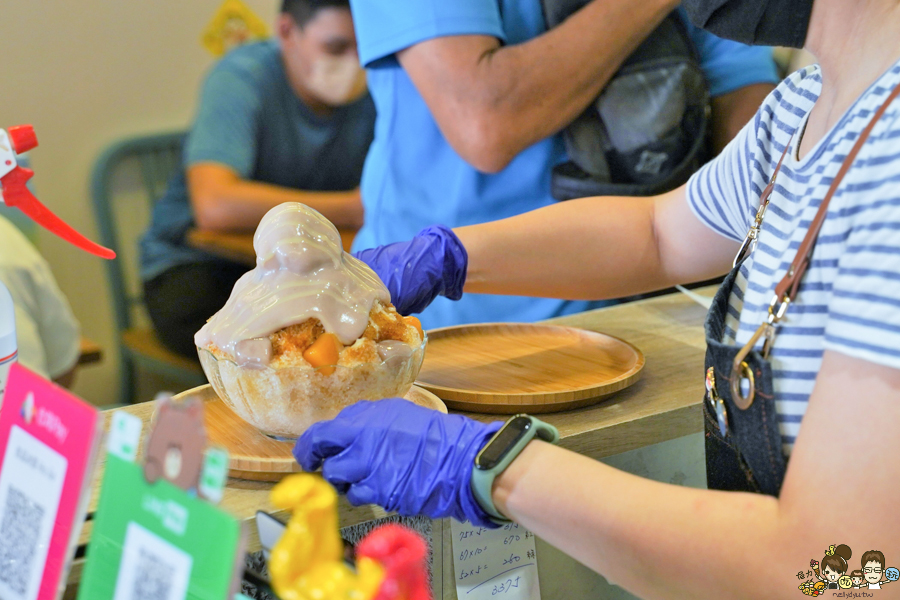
{"points": [[849, 299]]}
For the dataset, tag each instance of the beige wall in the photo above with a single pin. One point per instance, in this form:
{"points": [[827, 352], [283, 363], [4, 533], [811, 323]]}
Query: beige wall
{"points": [[86, 73]]}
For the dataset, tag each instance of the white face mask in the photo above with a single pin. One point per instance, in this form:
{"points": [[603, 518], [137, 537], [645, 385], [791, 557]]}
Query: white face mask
{"points": [[337, 80]]}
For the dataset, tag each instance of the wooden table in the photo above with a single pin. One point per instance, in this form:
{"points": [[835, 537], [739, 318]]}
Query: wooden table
{"points": [[663, 405], [238, 247]]}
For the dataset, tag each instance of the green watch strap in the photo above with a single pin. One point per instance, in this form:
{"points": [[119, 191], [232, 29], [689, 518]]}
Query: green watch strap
{"points": [[500, 451]]}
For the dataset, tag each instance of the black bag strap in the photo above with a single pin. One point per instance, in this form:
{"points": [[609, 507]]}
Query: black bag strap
{"points": [[669, 46]]}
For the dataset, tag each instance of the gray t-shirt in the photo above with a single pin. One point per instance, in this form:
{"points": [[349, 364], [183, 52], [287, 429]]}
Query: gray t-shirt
{"points": [[250, 120]]}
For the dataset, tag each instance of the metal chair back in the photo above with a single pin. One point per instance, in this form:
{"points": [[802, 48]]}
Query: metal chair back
{"points": [[127, 180]]}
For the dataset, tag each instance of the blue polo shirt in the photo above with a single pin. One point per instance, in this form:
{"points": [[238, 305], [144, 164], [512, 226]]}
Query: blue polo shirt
{"points": [[413, 178], [250, 120]]}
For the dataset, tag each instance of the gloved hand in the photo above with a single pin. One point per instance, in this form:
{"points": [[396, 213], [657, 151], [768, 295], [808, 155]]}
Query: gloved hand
{"points": [[405, 458], [431, 264]]}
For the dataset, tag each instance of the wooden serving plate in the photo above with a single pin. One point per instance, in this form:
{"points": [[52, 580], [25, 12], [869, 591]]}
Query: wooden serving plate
{"points": [[254, 455], [506, 368]]}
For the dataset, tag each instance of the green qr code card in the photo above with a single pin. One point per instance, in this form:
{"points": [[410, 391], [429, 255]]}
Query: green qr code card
{"points": [[157, 542]]}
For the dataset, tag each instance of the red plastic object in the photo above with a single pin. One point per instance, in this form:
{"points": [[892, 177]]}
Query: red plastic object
{"points": [[22, 138], [16, 194], [402, 554]]}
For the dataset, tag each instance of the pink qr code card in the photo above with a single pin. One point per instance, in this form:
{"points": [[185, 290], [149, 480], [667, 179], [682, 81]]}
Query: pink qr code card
{"points": [[48, 445]]}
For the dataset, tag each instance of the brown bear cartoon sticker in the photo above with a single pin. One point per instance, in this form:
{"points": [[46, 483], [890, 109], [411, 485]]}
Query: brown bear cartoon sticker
{"points": [[176, 444]]}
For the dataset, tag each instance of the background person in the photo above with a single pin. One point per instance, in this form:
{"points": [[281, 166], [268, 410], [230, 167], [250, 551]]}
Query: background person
{"points": [[471, 96], [834, 362], [285, 120], [47, 333]]}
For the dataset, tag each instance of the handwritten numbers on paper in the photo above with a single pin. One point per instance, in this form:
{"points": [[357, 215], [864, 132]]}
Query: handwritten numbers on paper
{"points": [[470, 533], [513, 559], [472, 572], [506, 586], [492, 563], [466, 553]]}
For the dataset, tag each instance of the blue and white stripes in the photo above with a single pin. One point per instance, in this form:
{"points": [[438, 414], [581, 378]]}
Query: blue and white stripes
{"points": [[849, 299]]}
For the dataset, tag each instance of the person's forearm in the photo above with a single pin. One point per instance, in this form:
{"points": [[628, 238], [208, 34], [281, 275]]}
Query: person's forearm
{"points": [[593, 248], [732, 111], [543, 84], [240, 205], [67, 379], [655, 540], [516, 95]]}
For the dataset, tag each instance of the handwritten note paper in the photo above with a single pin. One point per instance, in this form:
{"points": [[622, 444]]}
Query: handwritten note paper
{"points": [[494, 563]]}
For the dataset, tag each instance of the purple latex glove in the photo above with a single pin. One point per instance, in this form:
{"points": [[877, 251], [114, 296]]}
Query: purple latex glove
{"points": [[405, 458], [431, 264]]}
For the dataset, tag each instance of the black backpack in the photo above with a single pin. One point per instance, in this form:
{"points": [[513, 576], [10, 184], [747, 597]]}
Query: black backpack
{"points": [[647, 131]]}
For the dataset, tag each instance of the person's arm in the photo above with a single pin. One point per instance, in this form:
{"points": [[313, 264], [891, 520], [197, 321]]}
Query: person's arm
{"points": [[732, 111], [664, 541], [67, 379], [739, 78], [595, 248], [590, 248], [48, 334], [223, 201], [492, 101]]}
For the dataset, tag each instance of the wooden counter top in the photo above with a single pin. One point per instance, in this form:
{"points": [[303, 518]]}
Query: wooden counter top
{"points": [[663, 405], [666, 403]]}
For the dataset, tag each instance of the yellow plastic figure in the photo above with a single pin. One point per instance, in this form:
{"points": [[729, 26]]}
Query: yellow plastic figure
{"points": [[306, 563], [233, 24]]}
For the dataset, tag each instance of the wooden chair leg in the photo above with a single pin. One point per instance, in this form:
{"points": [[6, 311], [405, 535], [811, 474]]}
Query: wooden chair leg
{"points": [[127, 383]]}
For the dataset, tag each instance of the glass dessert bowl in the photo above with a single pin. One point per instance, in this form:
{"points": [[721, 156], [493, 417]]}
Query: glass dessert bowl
{"points": [[283, 402]]}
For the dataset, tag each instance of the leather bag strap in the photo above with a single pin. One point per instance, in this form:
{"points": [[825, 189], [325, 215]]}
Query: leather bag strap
{"points": [[787, 288]]}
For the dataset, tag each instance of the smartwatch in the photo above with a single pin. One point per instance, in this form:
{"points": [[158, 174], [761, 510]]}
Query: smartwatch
{"points": [[499, 452]]}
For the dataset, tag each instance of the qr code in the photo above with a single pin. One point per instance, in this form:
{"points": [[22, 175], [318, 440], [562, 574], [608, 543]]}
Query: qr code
{"points": [[151, 568], [18, 539], [153, 577]]}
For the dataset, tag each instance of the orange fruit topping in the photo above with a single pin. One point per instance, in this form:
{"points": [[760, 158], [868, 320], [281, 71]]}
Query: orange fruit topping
{"points": [[324, 353], [415, 323]]}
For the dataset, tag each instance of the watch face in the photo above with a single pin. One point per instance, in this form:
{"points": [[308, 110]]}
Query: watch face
{"points": [[508, 436]]}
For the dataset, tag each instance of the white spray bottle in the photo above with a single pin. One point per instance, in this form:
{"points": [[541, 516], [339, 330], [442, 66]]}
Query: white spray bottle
{"points": [[13, 179], [8, 348]]}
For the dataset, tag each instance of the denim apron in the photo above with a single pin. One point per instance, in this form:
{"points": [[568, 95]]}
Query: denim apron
{"points": [[743, 443], [743, 447]]}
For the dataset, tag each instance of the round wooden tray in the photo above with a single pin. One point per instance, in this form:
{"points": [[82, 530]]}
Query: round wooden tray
{"points": [[254, 455], [506, 368]]}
